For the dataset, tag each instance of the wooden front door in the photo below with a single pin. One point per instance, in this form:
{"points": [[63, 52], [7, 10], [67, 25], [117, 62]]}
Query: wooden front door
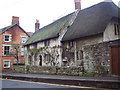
{"points": [[115, 59]]}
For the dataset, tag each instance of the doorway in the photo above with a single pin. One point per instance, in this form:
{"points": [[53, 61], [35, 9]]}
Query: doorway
{"points": [[30, 60], [40, 58], [115, 59]]}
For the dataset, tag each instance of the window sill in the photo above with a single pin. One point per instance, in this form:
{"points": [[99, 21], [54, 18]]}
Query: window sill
{"points": [[6, 67], [6, 41], [6, 55]]}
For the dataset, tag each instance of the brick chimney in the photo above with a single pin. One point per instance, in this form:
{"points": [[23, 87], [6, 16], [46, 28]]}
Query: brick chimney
{"points": [[37, 25], [15, 20], [77, 4]]}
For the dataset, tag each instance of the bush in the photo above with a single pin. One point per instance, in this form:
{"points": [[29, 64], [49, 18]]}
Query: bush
{"points": [[88, 74]]}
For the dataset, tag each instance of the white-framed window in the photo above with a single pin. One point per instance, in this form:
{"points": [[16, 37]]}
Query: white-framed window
{"points": [[6, 63], [22, 51], [6, 38], [23, 39], [15, 61], [6, 50]]}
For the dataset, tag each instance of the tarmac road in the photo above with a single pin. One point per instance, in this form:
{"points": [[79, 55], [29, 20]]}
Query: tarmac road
{"points": [[9, 83]]}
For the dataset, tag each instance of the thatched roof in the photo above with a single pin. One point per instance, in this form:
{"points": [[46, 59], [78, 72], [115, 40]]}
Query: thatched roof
{"points": [[50, 31], [91, 21]]}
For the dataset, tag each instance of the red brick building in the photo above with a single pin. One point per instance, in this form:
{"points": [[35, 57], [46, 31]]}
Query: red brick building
{"points": [[10, 36]]}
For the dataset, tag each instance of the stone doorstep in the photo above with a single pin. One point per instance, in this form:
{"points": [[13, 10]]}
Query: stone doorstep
{"points": [[111, 84]]}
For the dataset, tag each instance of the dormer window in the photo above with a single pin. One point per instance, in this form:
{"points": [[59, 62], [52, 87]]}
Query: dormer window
{"points": [[47, 43], [116, 29], [6, 38]]}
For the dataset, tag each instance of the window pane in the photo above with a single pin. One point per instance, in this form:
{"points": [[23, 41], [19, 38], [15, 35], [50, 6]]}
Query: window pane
{"points": [[47, 57], [22, 51], [71, 43], [16, 61], [6, 64], [118, 29], [23, 39], [6, 50], [115, 29], [6, 38]]}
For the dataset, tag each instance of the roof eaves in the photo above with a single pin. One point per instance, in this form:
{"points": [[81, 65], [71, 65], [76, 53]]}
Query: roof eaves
{"points": [[6, 28], [40, 40], [64, 40]]}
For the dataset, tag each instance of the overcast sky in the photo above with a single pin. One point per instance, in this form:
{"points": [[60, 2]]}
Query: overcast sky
{"points": [[46, 11]]}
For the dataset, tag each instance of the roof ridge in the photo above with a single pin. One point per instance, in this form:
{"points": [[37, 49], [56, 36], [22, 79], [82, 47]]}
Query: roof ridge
{"points": [[97, 5], [51, 23], [54, 22], [49, 31]]}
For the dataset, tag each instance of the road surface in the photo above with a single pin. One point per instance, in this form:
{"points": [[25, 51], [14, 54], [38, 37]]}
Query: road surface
{"points": [[8, 83]]}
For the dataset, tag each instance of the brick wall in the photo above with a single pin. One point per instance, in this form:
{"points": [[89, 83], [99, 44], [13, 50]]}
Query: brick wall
{"points": [[15, 38], [0, 52]]}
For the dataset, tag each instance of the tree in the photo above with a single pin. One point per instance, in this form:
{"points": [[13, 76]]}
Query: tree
{"points": [[15, 52]]}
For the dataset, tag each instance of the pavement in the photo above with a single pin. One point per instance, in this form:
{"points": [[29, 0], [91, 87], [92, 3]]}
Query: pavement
{"points": [[97, 82]]}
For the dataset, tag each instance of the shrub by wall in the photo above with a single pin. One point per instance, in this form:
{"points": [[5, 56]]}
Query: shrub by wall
{"points": [[18, 68]]}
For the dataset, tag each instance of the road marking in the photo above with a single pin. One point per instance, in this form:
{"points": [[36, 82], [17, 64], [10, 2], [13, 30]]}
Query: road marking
{"points": [[58, 84]]}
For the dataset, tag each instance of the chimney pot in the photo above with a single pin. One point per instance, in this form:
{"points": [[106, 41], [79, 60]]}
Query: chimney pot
{"points": [[15, 20], [77, 4], [37, 25], [37, 21]]}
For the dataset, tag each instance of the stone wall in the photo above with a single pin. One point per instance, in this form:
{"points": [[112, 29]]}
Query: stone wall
{"points": [[48, 70], [77, 48], [34, 52], [97, 58]]}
